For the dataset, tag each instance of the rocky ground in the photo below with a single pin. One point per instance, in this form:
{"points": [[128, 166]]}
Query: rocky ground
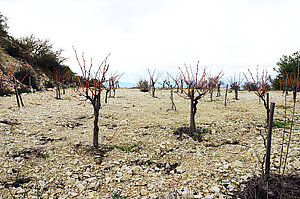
{"points": [[45, 147]]}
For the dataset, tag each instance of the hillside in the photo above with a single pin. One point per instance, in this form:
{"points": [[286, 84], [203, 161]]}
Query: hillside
{"points": [[19, 59], [27, 58]]}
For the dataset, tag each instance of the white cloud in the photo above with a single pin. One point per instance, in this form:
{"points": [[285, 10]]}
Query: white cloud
{"points": [[228, 35]]}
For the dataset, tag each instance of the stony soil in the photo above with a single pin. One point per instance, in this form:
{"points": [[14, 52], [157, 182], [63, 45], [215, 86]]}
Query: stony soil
{"points": [[45, 147]]}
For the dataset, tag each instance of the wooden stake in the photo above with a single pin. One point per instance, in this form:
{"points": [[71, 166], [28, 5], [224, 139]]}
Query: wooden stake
{"points": [[268, 152], [268, 108], [172, 100], [225, 101], [17, 92], [21, 99], [30, 85]]}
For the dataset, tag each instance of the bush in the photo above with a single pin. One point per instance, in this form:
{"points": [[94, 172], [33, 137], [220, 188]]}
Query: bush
{"points": [[6, 91], [12, 50], [49, 84], [143, 85], [45, 55]]}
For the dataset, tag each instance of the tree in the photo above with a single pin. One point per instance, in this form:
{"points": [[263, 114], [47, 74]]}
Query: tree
{"points": [[286, 65], [235, 84], [219, 88], [260, 86], [92, 86], [153, 79], [197, 88], [291, 81], [61, 75], [167, 84], [111, 84], [3, 25], [212, 85], [115, 79]]}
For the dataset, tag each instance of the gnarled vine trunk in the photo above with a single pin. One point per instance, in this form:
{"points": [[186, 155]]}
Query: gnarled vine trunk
{"points": [[96, 128], [58, 96], [153, 88], [193, 113], [236, 91], [96, 104], [18, 95]]}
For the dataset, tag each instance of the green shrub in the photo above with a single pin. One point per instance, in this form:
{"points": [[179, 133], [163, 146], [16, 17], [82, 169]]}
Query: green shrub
{"points": [[143, 85], [132, 148], [281, 124], [282, 106]]}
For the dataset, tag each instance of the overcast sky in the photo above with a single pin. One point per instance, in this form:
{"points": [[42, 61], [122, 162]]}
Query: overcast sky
{"points": [[231, 35]]}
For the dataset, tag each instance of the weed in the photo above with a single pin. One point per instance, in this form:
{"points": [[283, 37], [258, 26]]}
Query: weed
{"points": [[282, 106], [132, 148], [280, 124], [66, 98]]}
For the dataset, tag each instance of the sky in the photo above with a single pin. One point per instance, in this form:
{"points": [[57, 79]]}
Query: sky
{"points": [[229, 36]]}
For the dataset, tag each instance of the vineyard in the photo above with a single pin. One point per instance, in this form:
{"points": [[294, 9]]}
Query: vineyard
{"points": [[47, 152]]}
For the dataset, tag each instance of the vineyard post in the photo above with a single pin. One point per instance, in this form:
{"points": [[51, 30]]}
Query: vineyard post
{"points": [[269, 138], [17, 92], [30, 84], [172, 100], [268, 108], [225, 101]]}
